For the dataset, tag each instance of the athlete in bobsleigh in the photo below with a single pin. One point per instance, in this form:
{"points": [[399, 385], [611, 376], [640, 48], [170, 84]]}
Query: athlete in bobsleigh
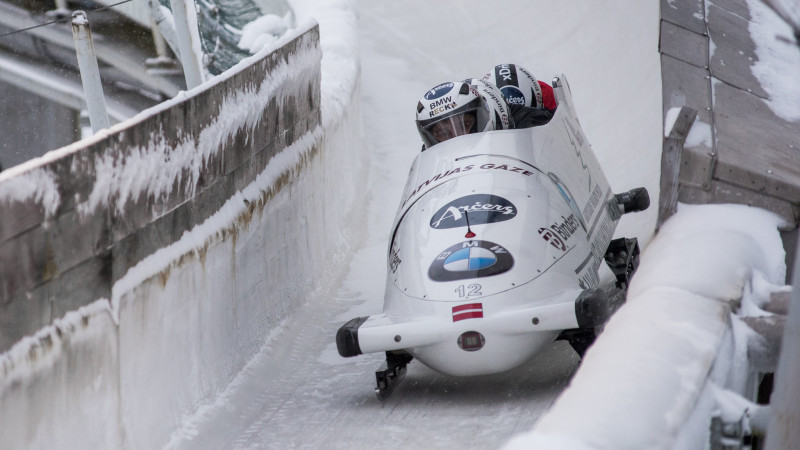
{"points": [[523, 100], [501, 230]]}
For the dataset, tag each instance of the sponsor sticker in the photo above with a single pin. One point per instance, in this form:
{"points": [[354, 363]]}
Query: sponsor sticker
{"points": [[568, 197], [513, 95], [470, 259], [449, 173], [594, 199], [551, 237], [566, 227], [505, 75], [442, 105], [438, 91], [473, 209]]}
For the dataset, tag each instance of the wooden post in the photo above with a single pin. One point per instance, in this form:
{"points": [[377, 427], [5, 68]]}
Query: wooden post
{"points": [[671, 164]]}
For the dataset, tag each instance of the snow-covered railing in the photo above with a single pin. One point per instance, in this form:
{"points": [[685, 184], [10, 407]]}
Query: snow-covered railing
{"points": [[671, 358]]}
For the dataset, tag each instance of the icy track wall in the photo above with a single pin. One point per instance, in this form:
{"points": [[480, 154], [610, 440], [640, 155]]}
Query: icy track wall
{"points": [[669, 359], [127, 260], [681, 350]]}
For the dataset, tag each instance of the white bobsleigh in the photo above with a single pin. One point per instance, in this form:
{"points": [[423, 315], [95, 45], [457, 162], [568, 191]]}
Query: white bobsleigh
{"points": [[495, 252]]}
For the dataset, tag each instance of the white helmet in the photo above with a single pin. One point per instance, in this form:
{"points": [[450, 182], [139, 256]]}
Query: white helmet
{"points": [[518, 86], [456, 108]]}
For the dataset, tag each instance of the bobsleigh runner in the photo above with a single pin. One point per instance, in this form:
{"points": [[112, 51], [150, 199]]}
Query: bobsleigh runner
{"points": [[495, 251]]}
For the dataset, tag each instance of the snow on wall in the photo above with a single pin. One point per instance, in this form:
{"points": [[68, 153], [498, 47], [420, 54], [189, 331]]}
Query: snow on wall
{"points": [[167, 168], [38, 185], [135, 176], [61, 385], [183, 321], [153, 168], [778, 59], [648, 380], [294, 238]]}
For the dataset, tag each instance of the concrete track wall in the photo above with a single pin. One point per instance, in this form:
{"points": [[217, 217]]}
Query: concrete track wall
{"points": [[128, 260], [75, 221]]}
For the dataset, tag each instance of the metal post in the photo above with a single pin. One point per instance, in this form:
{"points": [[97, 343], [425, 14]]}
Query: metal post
{"points": [[90, 74], [84, 124], [158, 40], [62, 11], [161, 22], [188, 35], [166, 25]]}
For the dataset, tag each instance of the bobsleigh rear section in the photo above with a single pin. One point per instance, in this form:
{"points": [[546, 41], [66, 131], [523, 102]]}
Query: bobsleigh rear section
{"points": [[495, 252]]}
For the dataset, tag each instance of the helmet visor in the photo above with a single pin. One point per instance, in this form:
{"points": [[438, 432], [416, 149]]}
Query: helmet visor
{"points": [[449, 127]]}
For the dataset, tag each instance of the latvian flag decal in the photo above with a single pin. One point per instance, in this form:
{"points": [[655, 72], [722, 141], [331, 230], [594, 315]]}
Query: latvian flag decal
{"points": [[469, 311]]}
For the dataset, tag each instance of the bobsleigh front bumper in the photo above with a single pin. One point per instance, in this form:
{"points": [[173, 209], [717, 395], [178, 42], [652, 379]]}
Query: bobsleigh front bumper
{"points": [[382, 332]]}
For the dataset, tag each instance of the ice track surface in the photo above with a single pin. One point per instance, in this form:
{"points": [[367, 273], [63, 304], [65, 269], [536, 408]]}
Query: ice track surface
{"points": [[298, 392]]}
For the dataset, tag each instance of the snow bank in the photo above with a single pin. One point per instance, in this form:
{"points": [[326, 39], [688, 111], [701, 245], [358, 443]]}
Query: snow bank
{"points": [[647, 373], [338, 28], [264, 30]]}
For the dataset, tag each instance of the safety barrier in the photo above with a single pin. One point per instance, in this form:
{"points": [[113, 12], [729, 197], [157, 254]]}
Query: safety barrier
{"points": [[678, 353]]}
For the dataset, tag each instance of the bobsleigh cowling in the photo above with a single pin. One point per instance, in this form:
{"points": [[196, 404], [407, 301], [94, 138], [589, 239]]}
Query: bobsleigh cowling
{"points": [[495, 252]]}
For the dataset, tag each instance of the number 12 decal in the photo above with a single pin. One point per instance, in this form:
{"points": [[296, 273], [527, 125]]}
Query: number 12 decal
{"points": [[472, 290]]}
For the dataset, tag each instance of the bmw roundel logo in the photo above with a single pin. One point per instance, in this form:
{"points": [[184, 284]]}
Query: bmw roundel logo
{"points": [[438, 91], [470, 259], [513, 95]]}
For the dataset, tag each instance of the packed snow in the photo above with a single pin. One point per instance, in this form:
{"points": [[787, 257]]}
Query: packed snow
{"points": [[264, 30], [699, 133], [679, 305]]}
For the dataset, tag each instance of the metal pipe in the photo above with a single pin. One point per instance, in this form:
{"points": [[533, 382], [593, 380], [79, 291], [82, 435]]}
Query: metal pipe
{"points": [[90, 73], [188, 35], [162, 17], [158, 40]]}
